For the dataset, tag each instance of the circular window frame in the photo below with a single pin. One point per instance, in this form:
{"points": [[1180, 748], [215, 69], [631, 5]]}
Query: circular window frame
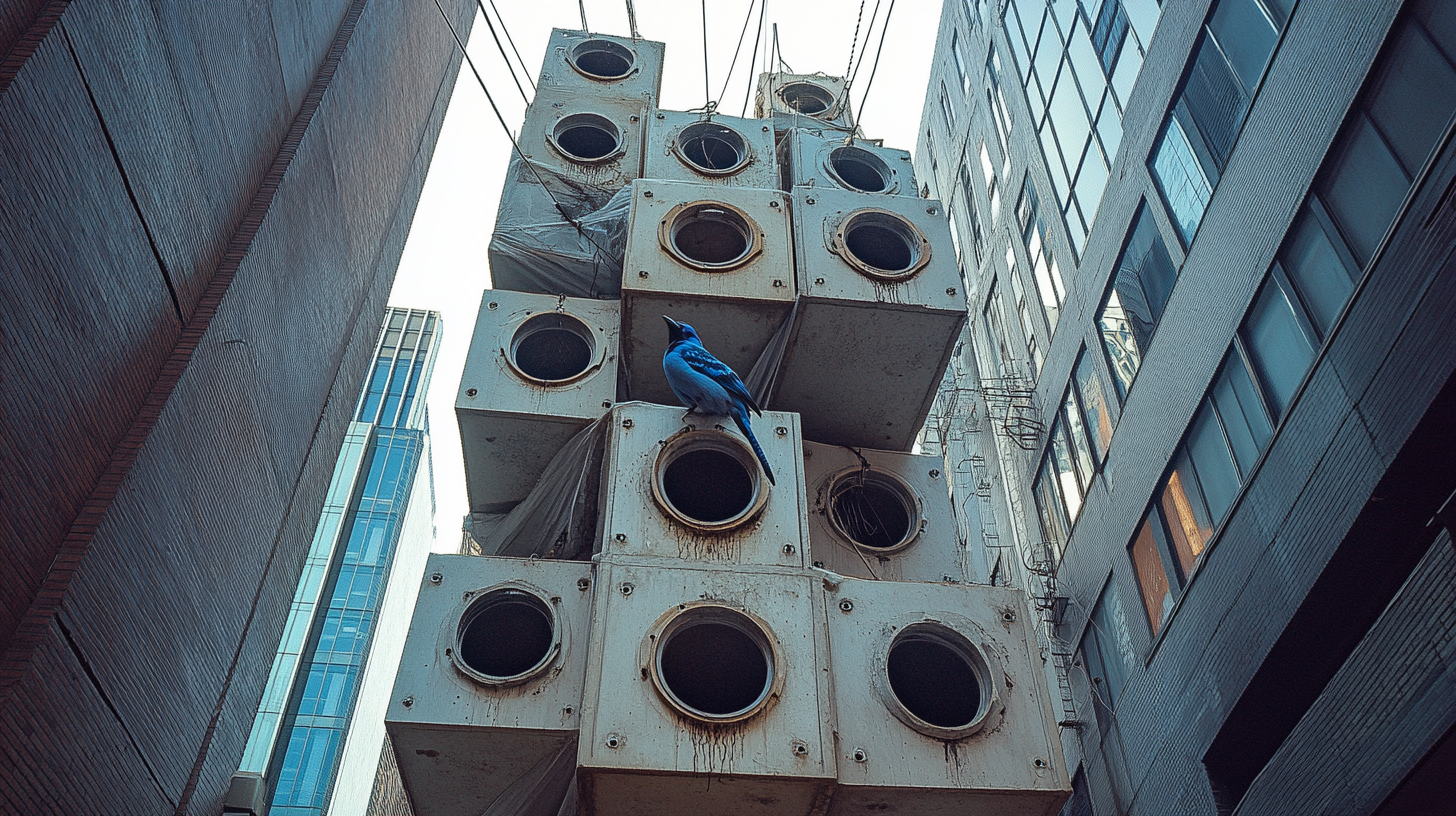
{"points": [[977, 654], [571, 120], [596, 45], [745, 150], [670, 224], [511, 338], [477, 602], [867, 157], [689, 614], [838, 482], [830, 99], [723, 442], [895, 222]]}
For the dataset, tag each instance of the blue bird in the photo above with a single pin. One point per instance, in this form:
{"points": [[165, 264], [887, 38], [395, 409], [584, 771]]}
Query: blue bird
{"points": [[705, 385]]}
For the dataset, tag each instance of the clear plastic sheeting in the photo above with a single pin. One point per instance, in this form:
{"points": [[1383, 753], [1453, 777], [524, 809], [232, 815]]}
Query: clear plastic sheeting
{"points": [[764, 374], [537, 248], [548, 789], [559, 517]]}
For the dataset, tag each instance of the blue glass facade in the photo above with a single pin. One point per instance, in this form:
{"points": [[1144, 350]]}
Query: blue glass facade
{"points": [[313, 728], [307, 719]]}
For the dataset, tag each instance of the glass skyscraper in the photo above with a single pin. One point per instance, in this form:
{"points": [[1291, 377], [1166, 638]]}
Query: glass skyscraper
{"points": [[322, 714]]}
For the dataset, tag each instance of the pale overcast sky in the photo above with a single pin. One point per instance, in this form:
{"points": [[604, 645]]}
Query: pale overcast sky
{"points": [[444, 265]]}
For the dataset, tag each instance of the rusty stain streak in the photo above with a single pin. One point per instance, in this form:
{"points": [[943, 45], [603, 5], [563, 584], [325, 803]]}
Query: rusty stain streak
{"points": [[715, 747]]}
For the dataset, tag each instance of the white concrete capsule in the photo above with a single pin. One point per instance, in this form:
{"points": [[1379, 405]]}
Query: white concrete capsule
{"points": [[603, 66], [941, 703], [591, 140], [881, 514], [828, 160], [720, 150], [487, 701], [539, 369], [694, 489], [717, 258], [816, 101], [707, 694], [880, 311]]}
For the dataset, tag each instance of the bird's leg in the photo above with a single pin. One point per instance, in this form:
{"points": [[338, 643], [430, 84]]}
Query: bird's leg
{"points": [[689, 412]]}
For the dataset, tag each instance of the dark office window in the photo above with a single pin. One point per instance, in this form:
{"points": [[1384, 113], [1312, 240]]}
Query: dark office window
{"points": [[1051, 290], [1152, 577], [1198, 135], [960, 61], [1279, 346], [1101, 656], [1082, 456], [995, 334], [1365, 189], [1141, 283], [1214, 480], [1049, 507], [1245, 420], [1096, 410], [1319, 265], [1108, 34]]}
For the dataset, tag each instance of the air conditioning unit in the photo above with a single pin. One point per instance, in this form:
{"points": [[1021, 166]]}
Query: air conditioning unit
{"points": [[707, 694], [599, 65], [881, 515], [487, 702], [940, 701], [814, 101], [693, 490], [880, 310], [590, 140], [720, 150], [717, 258], [539, 369], [833, 161]]}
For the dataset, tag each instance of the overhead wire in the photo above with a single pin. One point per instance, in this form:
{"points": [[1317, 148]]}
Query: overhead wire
{"points": [[632, 21], [876, 66], [499, 118], [738, 49], [758, 35], [506, 31], [502, 51], [869, 32], [855, 40], [707, 91]]}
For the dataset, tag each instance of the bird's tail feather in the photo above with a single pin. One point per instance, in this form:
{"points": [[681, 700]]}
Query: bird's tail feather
{"points": [[740, 417]]}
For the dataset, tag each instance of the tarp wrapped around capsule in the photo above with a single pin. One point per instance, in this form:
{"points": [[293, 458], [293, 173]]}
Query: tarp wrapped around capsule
{"points": [[556, 235]]}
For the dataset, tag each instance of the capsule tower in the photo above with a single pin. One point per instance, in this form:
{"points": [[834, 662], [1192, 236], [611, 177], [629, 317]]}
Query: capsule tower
{"points": [[645, 624]]}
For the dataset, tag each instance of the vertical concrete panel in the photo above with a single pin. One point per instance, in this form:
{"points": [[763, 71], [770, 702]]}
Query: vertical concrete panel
{"points": [[91, 765], [84, 313]]}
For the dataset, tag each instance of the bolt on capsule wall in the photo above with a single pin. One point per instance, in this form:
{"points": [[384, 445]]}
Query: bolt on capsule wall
{"points": [[676, 631]]}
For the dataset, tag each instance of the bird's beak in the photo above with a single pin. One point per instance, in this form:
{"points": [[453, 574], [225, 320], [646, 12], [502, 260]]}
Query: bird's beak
{"points": [[672, 324]]}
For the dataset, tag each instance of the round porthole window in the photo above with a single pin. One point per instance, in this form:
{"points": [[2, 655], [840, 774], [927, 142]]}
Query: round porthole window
{"points": [[807, 98], [873, 510], [601, 60], [587, 138], [940, 682], [710, 236], [712, 149], [715, 664], [708, 481], [553, 349], [859, 169], [882, 245], [506, 636]]}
